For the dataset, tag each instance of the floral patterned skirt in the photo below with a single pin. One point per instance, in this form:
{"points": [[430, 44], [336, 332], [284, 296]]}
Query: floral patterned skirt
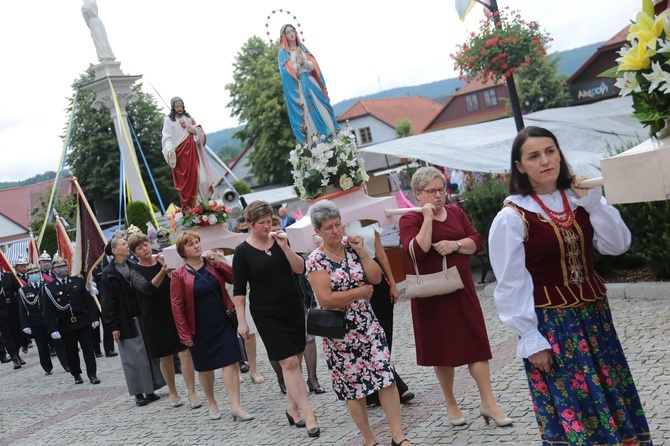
{"points": [[589, 398], [359, 364]]}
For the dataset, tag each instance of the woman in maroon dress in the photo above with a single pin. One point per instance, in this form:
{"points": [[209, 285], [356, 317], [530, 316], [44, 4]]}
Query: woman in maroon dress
{"points": [[449, 330]]}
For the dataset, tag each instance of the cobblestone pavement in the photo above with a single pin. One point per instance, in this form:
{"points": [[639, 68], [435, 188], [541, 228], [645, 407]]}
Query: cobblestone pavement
{"points": [[52, 410]]}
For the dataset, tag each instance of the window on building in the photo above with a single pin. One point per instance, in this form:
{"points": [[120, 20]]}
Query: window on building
{"points": [[365, 135], [473, 104], [490, 98]]}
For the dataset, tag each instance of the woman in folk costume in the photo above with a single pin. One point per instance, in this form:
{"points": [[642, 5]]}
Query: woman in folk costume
{"points": [[541, 248], [305, 90]]}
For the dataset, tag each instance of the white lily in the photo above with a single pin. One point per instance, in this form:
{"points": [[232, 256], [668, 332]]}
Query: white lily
{"points": [[628, 83], [665, 46], [655, 77]]}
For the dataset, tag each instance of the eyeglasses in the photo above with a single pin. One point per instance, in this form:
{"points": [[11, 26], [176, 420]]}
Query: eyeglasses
{"points": [[432, 192]]}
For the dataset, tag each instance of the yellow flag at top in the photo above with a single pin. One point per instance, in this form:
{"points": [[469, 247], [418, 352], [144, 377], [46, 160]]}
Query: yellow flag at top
{"points": [[463, 7]]}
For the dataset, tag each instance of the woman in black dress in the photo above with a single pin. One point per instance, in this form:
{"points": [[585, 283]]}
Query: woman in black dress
{"points": [[267, 265], [151, 281], [199, 305]]}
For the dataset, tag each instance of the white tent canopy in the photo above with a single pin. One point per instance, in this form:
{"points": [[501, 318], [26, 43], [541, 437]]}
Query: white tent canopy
{"points": [[582, 131]]}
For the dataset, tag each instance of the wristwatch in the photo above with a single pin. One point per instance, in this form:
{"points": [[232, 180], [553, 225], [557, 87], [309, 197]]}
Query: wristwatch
{"points": [[459, 244]]}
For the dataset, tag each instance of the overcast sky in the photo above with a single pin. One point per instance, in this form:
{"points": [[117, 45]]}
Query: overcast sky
{"points": [[187, 48]]}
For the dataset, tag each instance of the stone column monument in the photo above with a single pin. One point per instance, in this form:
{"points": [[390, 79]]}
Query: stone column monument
{"points": [[109, 79]]}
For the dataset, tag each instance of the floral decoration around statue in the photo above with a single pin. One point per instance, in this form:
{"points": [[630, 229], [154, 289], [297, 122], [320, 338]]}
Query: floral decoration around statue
{"points": [[643, 70], [322, 162], [201, 215], [497, 50]]}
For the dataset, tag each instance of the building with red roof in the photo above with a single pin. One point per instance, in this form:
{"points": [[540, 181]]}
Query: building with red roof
{"points": [[474, 103], [375, 120], [17, 203]]}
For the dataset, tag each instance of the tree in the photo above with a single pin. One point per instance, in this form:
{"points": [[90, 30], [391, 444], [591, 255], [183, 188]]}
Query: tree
{"points": [[258, 100], [228, 152], [539, 87], [403, 128], [94, 156], [65, 206]]}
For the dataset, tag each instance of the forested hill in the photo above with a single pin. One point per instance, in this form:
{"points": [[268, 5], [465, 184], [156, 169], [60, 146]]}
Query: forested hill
{"points": [[36, 179]]}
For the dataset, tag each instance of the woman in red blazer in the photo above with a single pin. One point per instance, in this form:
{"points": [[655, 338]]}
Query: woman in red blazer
{"points": [[199, 305]]}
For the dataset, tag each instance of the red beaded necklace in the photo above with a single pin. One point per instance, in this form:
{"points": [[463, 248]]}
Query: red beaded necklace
{"points": [[563, 219]]}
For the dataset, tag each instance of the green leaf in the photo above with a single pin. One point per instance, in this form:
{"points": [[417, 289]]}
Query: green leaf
{"points": [[611, 72]]}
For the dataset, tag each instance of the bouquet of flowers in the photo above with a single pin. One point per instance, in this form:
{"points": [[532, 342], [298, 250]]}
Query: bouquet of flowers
{"points": [[499, 49], [202, 214], [643, 68], [322, 162]]}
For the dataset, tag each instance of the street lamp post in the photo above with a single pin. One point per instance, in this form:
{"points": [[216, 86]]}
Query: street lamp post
{"points": [[511, 86]]}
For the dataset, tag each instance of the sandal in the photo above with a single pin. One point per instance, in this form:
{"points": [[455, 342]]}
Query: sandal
{"points": [[256, 379]]}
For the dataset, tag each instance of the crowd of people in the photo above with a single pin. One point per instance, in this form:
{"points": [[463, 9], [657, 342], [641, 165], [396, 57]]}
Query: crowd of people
{"points": [[203, 315]]}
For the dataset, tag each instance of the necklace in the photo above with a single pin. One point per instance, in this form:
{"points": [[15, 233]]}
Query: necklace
{"points": [[261, 242], [563, 219], [340, 259]]}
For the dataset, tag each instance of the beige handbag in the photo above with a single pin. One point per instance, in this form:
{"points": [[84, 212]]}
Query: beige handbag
{"points": [[436, 284]]}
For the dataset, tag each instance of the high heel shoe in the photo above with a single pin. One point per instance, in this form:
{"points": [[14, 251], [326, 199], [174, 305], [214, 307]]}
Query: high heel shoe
{"points": [[461, 421], [458, 421], [245, 417], [316, 389], [314, 432], [500, 422], [282, 388], [404, 440], [291, 421]]}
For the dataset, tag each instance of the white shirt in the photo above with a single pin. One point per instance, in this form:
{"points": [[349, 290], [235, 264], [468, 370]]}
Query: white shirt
{"points": [[514, 293]]}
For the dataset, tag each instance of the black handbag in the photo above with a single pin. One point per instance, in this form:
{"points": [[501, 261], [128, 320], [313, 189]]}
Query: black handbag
{"points": [[326, 323], [232, 317]]}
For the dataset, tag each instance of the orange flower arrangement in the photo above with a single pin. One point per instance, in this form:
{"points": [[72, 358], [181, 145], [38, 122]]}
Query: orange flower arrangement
{"points": [[499, 49]]}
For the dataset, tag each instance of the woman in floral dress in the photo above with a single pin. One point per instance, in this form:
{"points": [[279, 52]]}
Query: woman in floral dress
{"points": [[341, 275], [541, 248]]}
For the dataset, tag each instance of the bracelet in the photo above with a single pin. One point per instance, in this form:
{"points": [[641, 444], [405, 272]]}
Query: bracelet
{"points": [[367, 254]]}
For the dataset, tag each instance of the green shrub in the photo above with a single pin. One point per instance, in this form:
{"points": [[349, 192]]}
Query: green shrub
{"points": [[48, 242], [649, 224], [483, 202], [241, 187], [138, 214]]}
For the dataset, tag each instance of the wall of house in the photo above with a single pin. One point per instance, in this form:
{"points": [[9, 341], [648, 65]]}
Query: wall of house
{"points": [[456, 113], [380, 131], [588, 87], [242, 170]]}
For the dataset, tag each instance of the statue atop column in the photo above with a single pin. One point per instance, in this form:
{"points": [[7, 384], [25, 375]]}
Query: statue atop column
{"points": [[90, 11]]}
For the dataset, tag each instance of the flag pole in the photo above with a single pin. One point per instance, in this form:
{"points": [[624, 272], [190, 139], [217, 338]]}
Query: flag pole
{"points": [[88, 207]]}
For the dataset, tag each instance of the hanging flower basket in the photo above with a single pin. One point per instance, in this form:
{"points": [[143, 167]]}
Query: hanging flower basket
{"points": [[498, 50]]}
